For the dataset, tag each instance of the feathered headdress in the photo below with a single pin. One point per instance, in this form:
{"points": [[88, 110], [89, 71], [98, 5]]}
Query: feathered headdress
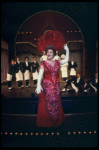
{"points": [[52, 37]]}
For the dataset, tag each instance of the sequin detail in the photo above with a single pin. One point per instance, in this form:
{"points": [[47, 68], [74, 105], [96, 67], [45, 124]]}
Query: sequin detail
{"points": [[51, 91]]}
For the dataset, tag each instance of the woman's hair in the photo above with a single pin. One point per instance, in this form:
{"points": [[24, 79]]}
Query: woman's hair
{"points": [[52, 48]]}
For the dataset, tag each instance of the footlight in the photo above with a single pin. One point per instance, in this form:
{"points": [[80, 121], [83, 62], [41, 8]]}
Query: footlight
{"points": [[94, 131], [11, 133], [21, 133], [68, 132], [36, 133]]}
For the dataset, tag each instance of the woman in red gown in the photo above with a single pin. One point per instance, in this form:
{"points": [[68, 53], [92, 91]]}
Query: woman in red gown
{"points": [[50, 111]]}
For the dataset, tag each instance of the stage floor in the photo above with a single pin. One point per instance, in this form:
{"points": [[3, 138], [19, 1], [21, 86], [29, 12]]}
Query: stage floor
{"points": [[78, 130], [27, 92], [19, 115]]}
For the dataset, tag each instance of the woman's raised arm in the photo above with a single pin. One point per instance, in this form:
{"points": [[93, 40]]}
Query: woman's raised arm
{"points": [[67, 55]]}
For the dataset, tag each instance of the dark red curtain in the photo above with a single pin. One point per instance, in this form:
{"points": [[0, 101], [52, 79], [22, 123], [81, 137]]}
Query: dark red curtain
{"points": [[4, 65]]}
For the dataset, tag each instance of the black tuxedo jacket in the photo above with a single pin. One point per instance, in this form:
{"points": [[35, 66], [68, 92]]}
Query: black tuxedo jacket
{"points": [[93, 81], [18, 67], [11, 70], [26, 67], [81, 81], [72, 66], [80, 84], [34, 66]]}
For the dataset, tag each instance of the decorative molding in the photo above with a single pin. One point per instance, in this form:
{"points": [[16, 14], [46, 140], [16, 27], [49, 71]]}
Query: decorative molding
{"points": [[36, 46], [26, 43], [75, 41]]}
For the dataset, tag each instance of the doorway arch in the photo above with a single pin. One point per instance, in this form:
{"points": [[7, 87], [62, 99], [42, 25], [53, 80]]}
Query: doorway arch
{"points": [[37, 24]]}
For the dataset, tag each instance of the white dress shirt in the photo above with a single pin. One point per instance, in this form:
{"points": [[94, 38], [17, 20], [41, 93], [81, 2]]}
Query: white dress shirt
{"points": [[26, 63], [78, 79], [96, 80]]}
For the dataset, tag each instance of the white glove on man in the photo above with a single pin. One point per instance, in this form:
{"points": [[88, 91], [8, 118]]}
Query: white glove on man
{"points": [[67, 55], [39, 87]]}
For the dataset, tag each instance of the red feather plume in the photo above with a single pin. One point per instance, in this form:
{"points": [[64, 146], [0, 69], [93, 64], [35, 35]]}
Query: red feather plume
{"points": [[52, 37]]}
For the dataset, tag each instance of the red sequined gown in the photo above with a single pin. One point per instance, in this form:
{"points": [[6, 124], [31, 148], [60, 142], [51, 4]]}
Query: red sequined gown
{"points": [[50, 112]]}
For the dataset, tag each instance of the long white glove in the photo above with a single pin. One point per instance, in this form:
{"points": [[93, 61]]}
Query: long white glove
{"points": [[39, 87], [67, 55]]}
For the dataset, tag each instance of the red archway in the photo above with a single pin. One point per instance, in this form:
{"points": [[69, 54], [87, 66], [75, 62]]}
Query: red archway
{"points": [[34, 26]]}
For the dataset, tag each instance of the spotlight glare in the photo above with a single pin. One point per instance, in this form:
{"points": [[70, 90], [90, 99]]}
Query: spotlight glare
{"points": [[41, 133], [31, 133]]}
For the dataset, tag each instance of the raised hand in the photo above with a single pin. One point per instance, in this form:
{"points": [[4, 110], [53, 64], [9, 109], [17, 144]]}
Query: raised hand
{"points": [[66, 47]]}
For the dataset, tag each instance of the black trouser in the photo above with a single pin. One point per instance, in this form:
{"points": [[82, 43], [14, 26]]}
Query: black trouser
{"points": [[73, 77], [35, 82], [9, 83], [64, 79], [68, 83], [79, 86], [20, 83], [76, 84], [91, 89], [27, 82]]}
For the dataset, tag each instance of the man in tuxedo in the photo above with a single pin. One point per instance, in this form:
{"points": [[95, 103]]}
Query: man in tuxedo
{"points": [[10, 73], [72, 68], [35, 67], [56, 56], [26, 71], [64, 69], [76, 83], [18, 71], [92, 84], [44, 57]]}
